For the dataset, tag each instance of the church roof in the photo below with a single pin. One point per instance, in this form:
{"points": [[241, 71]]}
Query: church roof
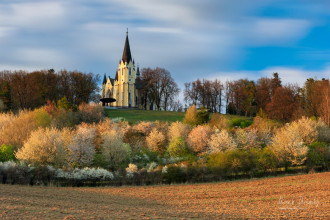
{"points": [[104, 79], [116, 77], [127, 51], [112, 80]]}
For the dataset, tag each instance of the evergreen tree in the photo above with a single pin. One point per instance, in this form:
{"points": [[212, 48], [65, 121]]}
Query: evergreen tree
{"points": [[203, 116], [275, 83], [5, 96]]}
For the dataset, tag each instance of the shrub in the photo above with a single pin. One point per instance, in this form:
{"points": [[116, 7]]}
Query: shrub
{"points": [[221, 141], [290, 142], [238, 122], [6, 153], [6, 119], [156, 141], [17, 131], [177, 147], [123, 127], [235, 161], [265, 129], [65, 118], [202, 116], [85, 174], [63, 103], [264, 124], [323, 131], [42, 118], [90, 113], [191, 116], [131, 169], [50, 108], [82, 148], [43, 175], [101, 128], [152, 166], [219, 163], [246, 139], [219, 121], [318, 155], [135, 139], [114, 151], [178, 129], [144, 127], [15, 173], [118, 119], [44, 147], [162, 126], [99, 160], [173, 174], [198, 139], [266, 160]]}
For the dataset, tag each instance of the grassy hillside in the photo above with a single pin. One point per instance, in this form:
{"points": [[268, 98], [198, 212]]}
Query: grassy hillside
{"points": [[293, 197], [133, 116]]}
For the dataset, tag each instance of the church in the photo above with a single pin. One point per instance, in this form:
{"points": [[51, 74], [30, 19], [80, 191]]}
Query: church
{"points": [[126, 87]]}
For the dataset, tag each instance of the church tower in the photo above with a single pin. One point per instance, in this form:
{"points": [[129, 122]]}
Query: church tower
{"points": [[124, 84]]}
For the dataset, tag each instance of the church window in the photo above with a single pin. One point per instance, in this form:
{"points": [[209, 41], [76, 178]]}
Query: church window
{"points": [[130, 71]]}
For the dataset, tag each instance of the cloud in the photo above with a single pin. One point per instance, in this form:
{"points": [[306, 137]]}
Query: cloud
{"points": [[296, 75], [162, 30], [288, 75], [36, 15], [6, 31], [276, 31]]}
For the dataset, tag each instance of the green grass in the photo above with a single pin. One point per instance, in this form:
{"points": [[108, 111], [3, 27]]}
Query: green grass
{"points": [[134, 116]]}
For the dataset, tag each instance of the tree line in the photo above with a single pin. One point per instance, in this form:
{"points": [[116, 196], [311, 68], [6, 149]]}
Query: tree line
{"points": [[267, 96], [28, 90]]}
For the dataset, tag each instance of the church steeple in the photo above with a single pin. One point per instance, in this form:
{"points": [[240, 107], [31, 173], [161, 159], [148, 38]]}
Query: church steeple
{"points": [[104, 79], [138, 71], [127, 51]]}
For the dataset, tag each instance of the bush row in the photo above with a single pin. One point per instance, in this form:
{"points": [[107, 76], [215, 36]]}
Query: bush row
{"points": [[227, 165]]}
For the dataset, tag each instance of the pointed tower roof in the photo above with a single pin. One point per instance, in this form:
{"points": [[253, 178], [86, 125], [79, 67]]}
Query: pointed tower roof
{"points": [[116, 77], [127, 51], [138, 71], [104, 79]]}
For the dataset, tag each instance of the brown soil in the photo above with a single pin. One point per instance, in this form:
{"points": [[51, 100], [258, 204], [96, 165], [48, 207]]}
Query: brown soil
{"points": [[301, 196]]}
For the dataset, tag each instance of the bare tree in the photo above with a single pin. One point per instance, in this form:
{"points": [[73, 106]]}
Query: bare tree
{"points": [[160, 87]]}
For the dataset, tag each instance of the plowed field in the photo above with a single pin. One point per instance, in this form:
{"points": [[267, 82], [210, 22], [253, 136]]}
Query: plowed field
{"points": [[301, 196]]}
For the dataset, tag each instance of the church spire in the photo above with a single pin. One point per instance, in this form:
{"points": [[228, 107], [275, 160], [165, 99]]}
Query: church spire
{"points": [[104, 79], [127, 51], [138, 71]]}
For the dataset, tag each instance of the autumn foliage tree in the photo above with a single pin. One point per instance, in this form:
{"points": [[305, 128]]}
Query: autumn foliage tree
{"points": [[316, 95], [283, 104]]}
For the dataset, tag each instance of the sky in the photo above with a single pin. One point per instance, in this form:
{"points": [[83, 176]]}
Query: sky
{"points": [[192, 39]]}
